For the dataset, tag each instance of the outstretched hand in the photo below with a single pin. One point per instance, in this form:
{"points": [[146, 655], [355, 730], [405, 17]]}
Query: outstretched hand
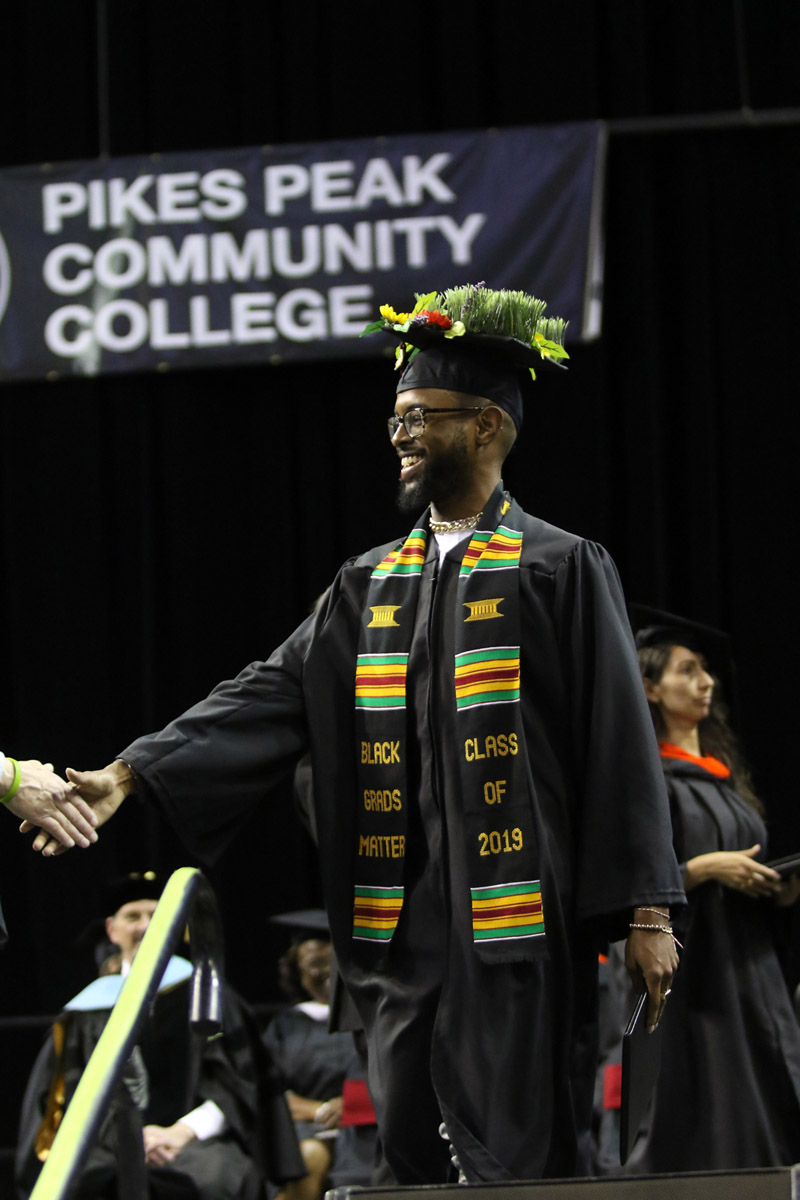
{"points": [[98, 792], [47, 803]]}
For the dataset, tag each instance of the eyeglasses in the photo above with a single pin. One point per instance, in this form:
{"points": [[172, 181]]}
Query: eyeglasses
{"points": [[413, 420]]}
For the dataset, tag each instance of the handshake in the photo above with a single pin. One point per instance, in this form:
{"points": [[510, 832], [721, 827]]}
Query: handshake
{"points": [[61, 812]]}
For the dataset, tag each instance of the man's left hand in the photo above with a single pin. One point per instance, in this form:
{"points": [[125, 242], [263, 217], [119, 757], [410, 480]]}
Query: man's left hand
{"points": [[652, 960], [162, 1143]]}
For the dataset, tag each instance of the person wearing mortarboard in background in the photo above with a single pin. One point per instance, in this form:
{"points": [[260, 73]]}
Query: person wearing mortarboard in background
{"points": [[31, 790], [321, 1068], [728, 1093], [487, 793], [192, 1118]]}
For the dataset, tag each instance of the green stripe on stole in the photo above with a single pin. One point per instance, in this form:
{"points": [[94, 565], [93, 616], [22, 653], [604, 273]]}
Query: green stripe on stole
{"points": [[507, 924]]}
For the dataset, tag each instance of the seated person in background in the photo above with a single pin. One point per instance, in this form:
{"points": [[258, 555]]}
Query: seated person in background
{"points": [[314, 1065], [192, 1115]]}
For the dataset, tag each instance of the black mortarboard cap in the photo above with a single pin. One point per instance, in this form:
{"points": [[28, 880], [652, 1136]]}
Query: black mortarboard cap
{"points": [[460, 368], [135, 885]]}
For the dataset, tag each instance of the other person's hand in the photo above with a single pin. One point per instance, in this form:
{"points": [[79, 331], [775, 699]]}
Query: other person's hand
{"points": [[329, 1113], [789, 891], [49, 804], [736, 869], [162, 1143]]}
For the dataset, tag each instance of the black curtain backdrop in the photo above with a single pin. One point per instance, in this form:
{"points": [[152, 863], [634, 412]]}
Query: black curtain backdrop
{"points": [[160, 531]]}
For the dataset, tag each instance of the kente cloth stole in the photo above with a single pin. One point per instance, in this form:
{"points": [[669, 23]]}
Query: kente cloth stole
{"points": [[495, 780]]}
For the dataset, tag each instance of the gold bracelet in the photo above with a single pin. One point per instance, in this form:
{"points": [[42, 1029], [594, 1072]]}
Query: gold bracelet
{"points": [[658, 929]]}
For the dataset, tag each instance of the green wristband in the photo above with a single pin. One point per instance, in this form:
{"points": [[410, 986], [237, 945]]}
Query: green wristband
{"points": [[12, 791]]}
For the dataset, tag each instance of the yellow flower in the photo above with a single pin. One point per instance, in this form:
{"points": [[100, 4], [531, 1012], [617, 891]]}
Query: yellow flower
{"points": [[388, 314]]}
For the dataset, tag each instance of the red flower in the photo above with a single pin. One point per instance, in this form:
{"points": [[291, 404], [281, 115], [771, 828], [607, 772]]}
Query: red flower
{"points": [[436, 318]]}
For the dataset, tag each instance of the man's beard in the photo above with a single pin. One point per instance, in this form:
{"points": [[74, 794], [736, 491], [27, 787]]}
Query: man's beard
{"points": [[441, 477]]}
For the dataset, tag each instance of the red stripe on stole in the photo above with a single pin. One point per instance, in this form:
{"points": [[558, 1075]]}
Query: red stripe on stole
{"points": [[495, 543], [483, 676], [366, 910], [508, 910], [379, 680]]}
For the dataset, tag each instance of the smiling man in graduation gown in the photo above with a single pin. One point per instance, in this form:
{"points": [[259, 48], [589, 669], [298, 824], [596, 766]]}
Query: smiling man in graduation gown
{"points": [[488, 797]]}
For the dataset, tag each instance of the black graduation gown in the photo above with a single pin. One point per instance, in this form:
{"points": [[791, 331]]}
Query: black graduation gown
{"points": [[728, 1095], [232, 1070], [311, 1060], [315, 1062], [489, 1047]]}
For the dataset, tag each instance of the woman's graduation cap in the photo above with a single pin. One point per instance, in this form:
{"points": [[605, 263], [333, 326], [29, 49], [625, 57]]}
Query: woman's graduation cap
{"points": [[476, 340], [307, 923], [304, 923]]}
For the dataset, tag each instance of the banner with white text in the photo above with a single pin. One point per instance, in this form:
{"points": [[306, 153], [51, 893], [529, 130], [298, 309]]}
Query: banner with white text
{"points": [[284, 253]]}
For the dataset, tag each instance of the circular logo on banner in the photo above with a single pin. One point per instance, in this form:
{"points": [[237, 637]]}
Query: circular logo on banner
{"points": [[5, 277]]}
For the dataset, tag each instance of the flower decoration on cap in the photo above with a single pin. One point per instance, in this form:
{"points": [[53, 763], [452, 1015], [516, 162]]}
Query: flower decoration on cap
{"points": [[475, 312], [388, 314], [434, 318]]}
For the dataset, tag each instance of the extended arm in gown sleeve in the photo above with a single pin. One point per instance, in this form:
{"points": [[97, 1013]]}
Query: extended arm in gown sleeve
{"points": [[625, 855], [208, 769]]}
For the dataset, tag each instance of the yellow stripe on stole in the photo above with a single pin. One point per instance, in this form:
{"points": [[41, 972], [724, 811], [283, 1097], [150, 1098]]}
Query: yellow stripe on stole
{"points": [[507, 922], [506, 902]]}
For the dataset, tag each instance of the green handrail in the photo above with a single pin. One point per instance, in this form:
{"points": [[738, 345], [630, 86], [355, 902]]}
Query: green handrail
{"points": [[187, 894]]}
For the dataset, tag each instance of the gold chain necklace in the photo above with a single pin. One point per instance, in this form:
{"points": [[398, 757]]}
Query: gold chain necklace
{"points": [[456, 526]]}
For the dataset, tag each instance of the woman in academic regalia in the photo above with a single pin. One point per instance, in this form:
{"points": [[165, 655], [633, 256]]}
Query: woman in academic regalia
{"points": [[728, 1095]]}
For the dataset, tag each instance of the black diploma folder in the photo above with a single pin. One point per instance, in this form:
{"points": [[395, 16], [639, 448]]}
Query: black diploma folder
{"points": [[790, 865], [641, 1061]]}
